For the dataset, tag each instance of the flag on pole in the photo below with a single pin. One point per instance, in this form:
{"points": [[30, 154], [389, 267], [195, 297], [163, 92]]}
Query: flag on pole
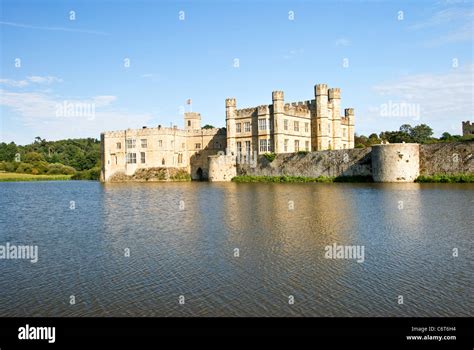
{"points": [[188, 101]]}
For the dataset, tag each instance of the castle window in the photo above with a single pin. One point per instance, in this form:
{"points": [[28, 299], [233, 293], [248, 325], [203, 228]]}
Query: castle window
{"points": [[189, 123], [297, 145], [238, 127], [306, 146], [142, 157], [131, 158], [285, 145], [197, 146], [180, 158], [285, 124], [319, 127], [247, 126], [239, 147], [160, 143], [306, 127], [263, 145], [130, 143], [262, 124], [144, 143], [119, 145], [247, 148], [296, 126], [163, 161]]}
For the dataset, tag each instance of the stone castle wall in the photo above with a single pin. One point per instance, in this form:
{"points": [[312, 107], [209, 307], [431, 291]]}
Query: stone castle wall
{"points": [[441, 158]]}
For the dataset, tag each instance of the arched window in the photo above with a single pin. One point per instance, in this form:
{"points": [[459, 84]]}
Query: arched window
{"points": [[163, 161]]}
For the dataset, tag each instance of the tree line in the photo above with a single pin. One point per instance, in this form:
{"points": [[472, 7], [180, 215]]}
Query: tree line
{"points": [[77, 157], [421, 133]]}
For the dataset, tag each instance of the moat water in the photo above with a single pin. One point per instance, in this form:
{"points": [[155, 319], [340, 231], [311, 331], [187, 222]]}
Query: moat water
{"points": [[134, 249]]}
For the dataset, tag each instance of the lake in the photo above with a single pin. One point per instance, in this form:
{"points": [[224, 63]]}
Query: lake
{"points": [[202, 249]]}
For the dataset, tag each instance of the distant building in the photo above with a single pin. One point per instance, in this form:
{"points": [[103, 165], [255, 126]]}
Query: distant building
{"points": [[467, 128]]}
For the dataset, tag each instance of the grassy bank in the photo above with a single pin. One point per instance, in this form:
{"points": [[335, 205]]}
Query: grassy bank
{"points": [[299, 179], [442, 178], [29, 177]]}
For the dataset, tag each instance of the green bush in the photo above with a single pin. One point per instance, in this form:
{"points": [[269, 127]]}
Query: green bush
{"points": [[270, 156], [57, 169], [91, 174], [443, 178], [295, 179], [24, 168]]}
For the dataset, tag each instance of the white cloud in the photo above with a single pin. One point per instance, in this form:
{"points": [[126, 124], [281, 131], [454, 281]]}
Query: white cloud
{"points": [[37, 111], [443, 98], [44, 80], [444, 16], [342, 42], [61, 29], [35, 79], [462, 16], [465, 33], [14, 83], [293, 53]]}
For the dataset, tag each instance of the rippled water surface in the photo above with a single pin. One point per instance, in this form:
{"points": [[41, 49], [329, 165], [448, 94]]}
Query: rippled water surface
{"points": [[182, 239]]}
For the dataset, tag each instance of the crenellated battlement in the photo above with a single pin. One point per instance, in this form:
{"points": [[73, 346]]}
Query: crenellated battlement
{"points": [[321, 89], [263, 110], [278, 96], [230, 102], [334, 93], [246, 112]]}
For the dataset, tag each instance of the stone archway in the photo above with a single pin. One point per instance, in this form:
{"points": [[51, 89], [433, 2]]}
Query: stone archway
{"points": [[200, 174]]}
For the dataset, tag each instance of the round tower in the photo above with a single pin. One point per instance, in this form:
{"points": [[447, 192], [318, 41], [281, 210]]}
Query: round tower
{"points": [[396, 162]]}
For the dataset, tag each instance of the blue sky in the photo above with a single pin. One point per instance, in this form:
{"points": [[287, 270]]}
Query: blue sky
{"points": [[414, 66]]}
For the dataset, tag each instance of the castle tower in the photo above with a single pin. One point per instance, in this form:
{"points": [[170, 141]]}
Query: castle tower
{"points": [[334, 95], [192, 121], [278, 101], [319, 122], [349, 114], [230, 106]]}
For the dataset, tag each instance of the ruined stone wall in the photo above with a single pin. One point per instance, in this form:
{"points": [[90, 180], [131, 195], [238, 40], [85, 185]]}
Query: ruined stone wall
{"points": [[351, 162], [439, 158], [447, 158]]}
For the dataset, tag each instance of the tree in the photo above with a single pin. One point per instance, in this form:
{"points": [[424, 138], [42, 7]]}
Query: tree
{"points": [[33, 157], [207, 126], [421, 133]]}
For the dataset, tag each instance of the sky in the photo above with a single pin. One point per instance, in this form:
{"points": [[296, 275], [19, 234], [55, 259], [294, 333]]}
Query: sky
{"points": [[76, 68]]}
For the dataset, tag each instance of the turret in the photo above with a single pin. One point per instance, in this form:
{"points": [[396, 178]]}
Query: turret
{"points": [[349, 114], [192, 121], [320, 126], [334, 95], [230, 106], [278, 100]]}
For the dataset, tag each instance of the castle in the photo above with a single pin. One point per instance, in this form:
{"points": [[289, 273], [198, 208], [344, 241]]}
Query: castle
{"points": [[280, 127], [467, 128]]}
